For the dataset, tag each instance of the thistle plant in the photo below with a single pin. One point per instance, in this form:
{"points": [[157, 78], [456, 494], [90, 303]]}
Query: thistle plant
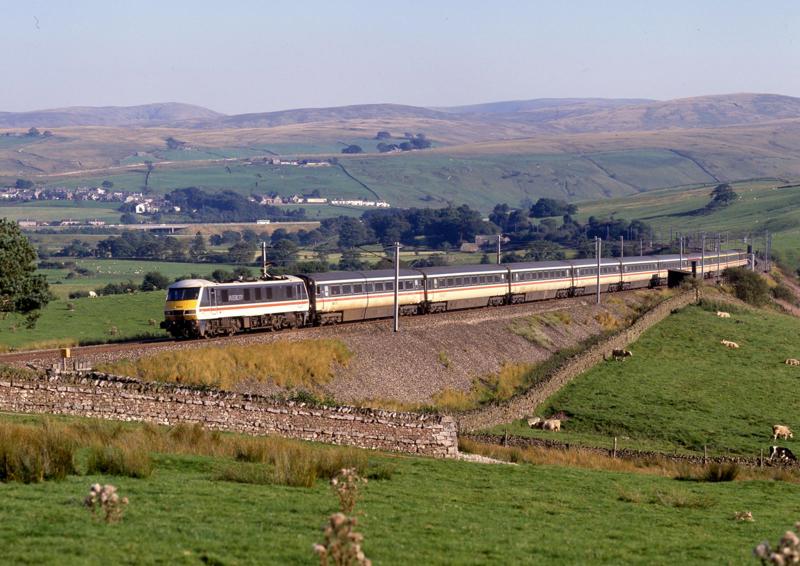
{"points": [[342, 544], [345, 486], [104, 502], [787, 551]]}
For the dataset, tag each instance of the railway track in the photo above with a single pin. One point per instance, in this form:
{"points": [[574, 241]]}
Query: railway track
{"points": [[117, 350]]}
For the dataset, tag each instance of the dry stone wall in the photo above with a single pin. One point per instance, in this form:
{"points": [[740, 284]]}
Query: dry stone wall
{"points": [[110, 397], [525, 404]]}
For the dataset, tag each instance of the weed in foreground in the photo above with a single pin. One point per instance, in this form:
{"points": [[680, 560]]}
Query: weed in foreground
{"points": [[104, 499], [342, 544], [345, 486], [720, 472], [786, 552]]}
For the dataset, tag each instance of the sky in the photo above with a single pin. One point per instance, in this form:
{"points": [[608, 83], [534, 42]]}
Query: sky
{"points": [[259, 56]]}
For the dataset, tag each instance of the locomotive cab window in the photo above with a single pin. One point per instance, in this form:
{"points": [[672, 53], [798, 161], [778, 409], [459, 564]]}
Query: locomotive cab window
{"points": [[183, 294]]}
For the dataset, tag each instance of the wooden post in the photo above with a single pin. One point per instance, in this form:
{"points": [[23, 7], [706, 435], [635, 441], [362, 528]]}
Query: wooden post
{"points": [[705, 454], [615, 447], [761, 458]]}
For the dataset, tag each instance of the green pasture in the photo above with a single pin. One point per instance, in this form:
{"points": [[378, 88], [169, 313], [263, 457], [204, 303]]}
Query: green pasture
{"points": [[682, 390], [104, 271], [80, 321], [761, 206], [428, 512], [48, 211]]}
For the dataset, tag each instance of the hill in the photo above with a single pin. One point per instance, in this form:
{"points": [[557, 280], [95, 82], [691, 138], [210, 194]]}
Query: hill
{"points": [[698, 112], [123, 116]]}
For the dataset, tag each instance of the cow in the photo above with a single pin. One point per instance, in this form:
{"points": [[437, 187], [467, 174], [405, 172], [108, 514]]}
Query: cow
{"points": [[552, 424], [781, 431], [92, 295], [792, 362], [621, 354], [729, 344], [723, 314], [781, 453]]}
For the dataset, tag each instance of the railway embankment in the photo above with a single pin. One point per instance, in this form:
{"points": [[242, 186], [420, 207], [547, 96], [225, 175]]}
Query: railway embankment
{"points": [[524, 404]]}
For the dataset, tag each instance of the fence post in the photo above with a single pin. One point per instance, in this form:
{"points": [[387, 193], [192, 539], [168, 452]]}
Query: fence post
{"points": [[705, 454], [615, 447], [761, 458]]}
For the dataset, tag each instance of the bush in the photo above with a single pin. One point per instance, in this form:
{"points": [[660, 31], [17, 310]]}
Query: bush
{"points": [[748, 286], [121, 459], [31, 454], [783, 293], [78, 294], [720, 472], [257, 474], [154, 281], [295, 467]]}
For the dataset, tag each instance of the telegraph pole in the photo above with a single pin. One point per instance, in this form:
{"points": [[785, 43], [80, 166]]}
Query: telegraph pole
{"points": [[598, 249], [703, 257], [719, 251], [264, 260], [396, 286], [499, 237]]}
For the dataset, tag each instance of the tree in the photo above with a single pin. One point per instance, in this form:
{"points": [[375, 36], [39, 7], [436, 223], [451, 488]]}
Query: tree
{"points": [[351, 261], [197, 249], [23, 184], [128, 218], [34, 133], [21, 290], [352, 149], [283, 253], [242, 252], [383, 135], [107, 184], [153, 281], [545, 207]]}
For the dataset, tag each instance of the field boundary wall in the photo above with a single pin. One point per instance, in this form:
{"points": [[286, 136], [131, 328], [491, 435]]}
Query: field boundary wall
{"points": [[104, 396]]}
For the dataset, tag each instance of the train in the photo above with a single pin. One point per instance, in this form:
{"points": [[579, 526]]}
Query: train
{"points": [[196, 308]]}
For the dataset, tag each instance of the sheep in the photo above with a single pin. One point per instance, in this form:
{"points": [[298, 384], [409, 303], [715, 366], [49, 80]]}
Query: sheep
{"points": [[92, 295], [729, 344], [781, 431], [723, 314], [536, 422], [792, 362], [552, 424], [621, 354]]}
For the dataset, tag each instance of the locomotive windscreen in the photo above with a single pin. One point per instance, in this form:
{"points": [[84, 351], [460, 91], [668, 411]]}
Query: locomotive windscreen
{"points": [[183, 294]]}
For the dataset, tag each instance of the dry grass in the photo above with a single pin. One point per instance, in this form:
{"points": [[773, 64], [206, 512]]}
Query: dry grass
{"points": [[305, 363], [608, 321], [530, 328], [31, 454], [654, 465], [491, 387], [44, 345]]}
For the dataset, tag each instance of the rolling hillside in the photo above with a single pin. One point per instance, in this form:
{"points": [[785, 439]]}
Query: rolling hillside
{"points": [[515, 151]]}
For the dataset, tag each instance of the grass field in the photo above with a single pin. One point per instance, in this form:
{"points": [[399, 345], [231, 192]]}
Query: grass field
{"points": [[114, 317], [683, 390], [761, 206], [48, 211], [428, 512], [104, 271]]}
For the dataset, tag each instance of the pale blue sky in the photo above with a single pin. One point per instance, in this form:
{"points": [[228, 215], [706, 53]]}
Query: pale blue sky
{"points": [[251, 56]]}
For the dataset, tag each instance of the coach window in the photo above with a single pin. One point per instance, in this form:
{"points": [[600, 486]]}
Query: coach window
{"points": [[246, 293], [257, 294], [336, 290], [378, 287], [358, 289], [459, 281], [347, 289], [224, 295], [389, 286]]}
